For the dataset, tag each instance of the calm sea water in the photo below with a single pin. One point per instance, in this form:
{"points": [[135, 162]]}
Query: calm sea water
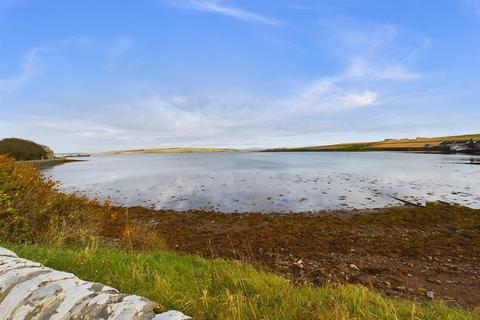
{"points": [[253, 181]]}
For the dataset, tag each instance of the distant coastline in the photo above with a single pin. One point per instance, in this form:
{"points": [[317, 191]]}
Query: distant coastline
{"points": [[419, 144], [168, 150]]}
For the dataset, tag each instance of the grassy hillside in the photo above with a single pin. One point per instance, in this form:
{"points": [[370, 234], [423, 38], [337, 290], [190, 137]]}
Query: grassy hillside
{"points": [[22, 149], [170, 150], [417, 144]]}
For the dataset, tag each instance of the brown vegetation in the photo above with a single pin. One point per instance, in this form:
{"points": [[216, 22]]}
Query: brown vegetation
{"points": [[400, 251], [32, 210]]}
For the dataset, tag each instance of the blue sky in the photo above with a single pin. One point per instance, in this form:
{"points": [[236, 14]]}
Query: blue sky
{"points": [[105, 75]]}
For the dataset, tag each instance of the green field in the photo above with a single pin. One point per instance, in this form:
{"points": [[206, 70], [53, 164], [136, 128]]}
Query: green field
{"points": [[218, 289], [416, 144]]}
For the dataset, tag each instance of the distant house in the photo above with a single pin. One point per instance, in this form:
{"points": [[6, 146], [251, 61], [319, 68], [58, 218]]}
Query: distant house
{"points": [[458, 147], [462, 145]]}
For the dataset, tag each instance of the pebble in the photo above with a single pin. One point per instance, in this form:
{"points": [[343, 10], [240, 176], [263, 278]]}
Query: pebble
{"points": [[354, 267], [429, 295]]}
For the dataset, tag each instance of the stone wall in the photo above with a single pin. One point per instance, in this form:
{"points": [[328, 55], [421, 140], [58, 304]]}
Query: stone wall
{"points": [[29, 290]]}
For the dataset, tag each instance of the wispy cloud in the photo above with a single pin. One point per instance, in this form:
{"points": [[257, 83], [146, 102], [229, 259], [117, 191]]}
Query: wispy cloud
{"points": [[330, 96], [28, 68], [30, 62], [215, 6], [350, 35], [362, 69], [415, 52], [375, 51]]}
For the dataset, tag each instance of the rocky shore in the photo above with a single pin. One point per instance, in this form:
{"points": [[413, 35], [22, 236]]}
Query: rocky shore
{"points": [[420, 253]]}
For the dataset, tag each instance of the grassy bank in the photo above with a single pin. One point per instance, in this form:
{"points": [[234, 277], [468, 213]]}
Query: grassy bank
{"points": [[216, 289], [417, 144]]}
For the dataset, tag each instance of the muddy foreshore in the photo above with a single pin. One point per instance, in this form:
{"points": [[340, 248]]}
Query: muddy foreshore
{"points": [[400, 251]]}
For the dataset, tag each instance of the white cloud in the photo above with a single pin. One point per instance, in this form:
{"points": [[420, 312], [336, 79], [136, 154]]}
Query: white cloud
{"points": [[327, 95], [352, 36], [375, 51], [411, 54], [365, 98], [215, 6], [28, 68], [360, 68], [190, 120], [324, 111]]}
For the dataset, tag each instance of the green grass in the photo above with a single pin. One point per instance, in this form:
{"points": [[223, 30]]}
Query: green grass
{"points": [[216, 289]]}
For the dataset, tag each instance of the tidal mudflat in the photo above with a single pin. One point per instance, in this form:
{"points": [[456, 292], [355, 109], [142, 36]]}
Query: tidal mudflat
{"points": [[274, 182], [406, 251]]}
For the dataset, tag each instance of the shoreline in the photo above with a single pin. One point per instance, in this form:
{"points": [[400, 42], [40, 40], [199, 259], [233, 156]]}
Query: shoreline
{"points": [[420, 151], [48, 163], [399, 251]]}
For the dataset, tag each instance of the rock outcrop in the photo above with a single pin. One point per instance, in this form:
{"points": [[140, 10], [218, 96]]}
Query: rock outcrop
{"points": [[29, 290]]}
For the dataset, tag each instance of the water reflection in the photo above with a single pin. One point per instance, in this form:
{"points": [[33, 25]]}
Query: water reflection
{"points": [[239, 182]]}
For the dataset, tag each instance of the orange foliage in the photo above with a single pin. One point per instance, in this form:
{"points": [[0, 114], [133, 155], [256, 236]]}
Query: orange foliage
{"points": [[32, 209]]}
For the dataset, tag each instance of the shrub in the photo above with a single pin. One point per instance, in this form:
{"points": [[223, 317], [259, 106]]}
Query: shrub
{"points": [[33, 210]]}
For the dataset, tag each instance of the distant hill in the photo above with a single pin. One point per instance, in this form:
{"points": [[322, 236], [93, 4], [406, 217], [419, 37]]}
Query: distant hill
{"points": [[170, 150], [417, 144], [21, 149]]}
